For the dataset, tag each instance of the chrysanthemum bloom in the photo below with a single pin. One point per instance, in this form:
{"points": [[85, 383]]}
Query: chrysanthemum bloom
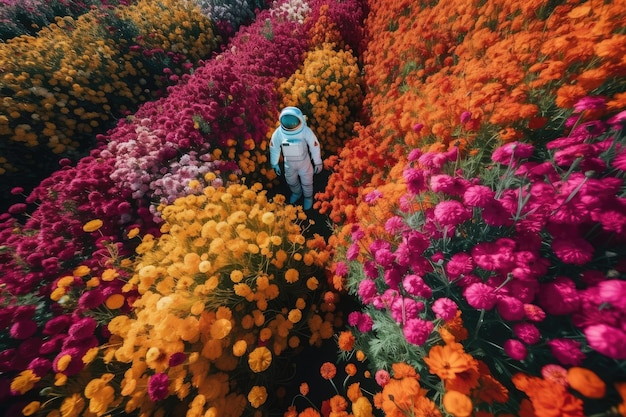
{"points": [[257, 396], [575, 251], [260, 359], [451, 213], [382, 377], [566, 351], [512, 152], [158, 386], [457, 404], [515, 349], [526, 332], [328, 370], [346, 341], [559, 297], [480, 296], [608, 340], [555, 373], [415, 180], [445, 308], [510, 308], [304, 389], [417, 331]]}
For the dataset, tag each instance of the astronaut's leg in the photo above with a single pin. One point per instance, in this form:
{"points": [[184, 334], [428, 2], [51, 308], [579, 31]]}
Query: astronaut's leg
{"points": [[291, 177], [306, 178]]}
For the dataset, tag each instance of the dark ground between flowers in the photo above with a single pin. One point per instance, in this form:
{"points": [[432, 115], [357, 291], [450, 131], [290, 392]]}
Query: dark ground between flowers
{"points": [[304, 365]]}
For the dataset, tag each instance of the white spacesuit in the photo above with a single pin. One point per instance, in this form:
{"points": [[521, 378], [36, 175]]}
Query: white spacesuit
{"points": [[299, 145]]}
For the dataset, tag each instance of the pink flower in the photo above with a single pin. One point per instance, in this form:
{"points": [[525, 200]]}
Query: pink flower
{"points": [[158, 386], [415, 285], [382, 377], [177, 358], [607, 340], [495, 256], [613, 291], [480, 296], [445, 309], [360, 320], [417, 152], [403, 308], [527, 333], [534, 313], [590, 103], [515, 349], [367, 290], [555, 373], [465, 117], [372, 196], [478, 196], [451, 213], [415, 180], [559, 297], [460, 264], [566, 351], [353, 252], [394, 225], [57, 325], [23, 329], [512, 152], [443, 183], [495, 214], [416, 331], [341, 269], [510, 308], [83, 328]]}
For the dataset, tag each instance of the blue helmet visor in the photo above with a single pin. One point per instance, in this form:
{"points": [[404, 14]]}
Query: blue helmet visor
{"points": [[289, 122]]}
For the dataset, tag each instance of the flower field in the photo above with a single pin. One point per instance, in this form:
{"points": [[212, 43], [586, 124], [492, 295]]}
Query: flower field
{"points": [[466, 254]]}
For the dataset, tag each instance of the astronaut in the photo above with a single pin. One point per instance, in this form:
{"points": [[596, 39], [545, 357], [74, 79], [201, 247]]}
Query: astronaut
{"points": [[299, 145]]}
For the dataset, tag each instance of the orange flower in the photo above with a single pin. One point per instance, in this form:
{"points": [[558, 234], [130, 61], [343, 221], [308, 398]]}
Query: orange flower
{"points": [[346, 341], [351, 369], [449, 360], [260, 359], [403, 370], [338, 403], [457, 404], [328, 370], [586, 382], [304, 389]]}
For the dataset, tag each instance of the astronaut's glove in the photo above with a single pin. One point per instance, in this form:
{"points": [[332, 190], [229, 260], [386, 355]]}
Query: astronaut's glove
{"points": [[277, 170], [318, 168]]}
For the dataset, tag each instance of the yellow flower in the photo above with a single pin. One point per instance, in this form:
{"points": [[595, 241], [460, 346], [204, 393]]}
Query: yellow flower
{"points": [[115, 301], [257, 396], [295, 315], [109, 275], [292, 275], [240, 347], [236, 276], [133, 232], [81, 271], [72, 406], [221, 328], [362, 407], [64, 362], [31, 408], [260, 359], [92, 225], [268, 218], [312, 283], [90, 355]]}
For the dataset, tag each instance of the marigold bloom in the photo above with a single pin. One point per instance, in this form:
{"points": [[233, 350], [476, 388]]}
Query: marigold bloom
{"points": [[587, 382], [457, 404], [304, 389], [346, 341], [257, 396], [260, 359], [328, 370], [449, 360]]}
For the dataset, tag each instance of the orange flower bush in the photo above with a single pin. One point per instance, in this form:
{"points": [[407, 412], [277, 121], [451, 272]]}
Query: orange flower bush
{"points": [[76, 76], [216, 309]]}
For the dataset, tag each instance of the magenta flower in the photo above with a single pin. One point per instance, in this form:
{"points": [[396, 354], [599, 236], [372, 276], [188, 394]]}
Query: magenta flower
{"points": [[445, 308], [341, 269], [415, 285], [527, 333], [465, 117], [367, 290], [177, 358], [512, 152], [394, 225], [515, 349], [443, 183], [353, 252], [613, 291], [607, 340], [360, 320], [83, 328], [416, 331], [478, 196], [415, 180], [510, 308], [495, 256], [566, 351], [382, 377], [480, 296], [158, 386], [417, 127], [460, 264], [372, 197], [559, 297], [23, 329], [590, 103], [451, 213]]}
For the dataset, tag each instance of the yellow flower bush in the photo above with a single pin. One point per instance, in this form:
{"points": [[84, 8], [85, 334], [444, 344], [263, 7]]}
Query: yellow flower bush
{"points": [[218, 303], [327, 88], [70, 80]]}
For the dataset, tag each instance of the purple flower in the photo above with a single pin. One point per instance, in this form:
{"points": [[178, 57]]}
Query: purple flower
{"points": [[158, 386], [515, 349], [445, 309], [480, 296], [416, 331], [566, 351]]}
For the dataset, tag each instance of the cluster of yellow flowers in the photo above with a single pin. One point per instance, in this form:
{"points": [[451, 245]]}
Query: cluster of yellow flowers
{"points": [[230, 285], [67, 80], [327, 88]]}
